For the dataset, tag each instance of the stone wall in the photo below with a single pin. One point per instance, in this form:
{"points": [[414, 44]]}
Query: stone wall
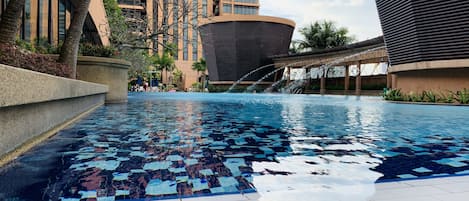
{"points": [[107, 71], [34, 105]]}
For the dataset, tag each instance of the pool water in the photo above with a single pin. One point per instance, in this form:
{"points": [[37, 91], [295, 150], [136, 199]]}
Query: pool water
{"points": [[280, 147]]}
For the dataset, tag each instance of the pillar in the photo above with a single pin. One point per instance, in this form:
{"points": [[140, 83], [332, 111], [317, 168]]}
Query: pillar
{"points": [[388, 81], [347, 79], [358, 80], [323, 83], [289, 75]]}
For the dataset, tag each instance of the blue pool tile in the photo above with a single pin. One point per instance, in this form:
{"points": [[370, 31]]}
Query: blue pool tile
{"points": [[120, 176], [206, 172], [422, 170], [228, 181], [217, 190], [182, 179], [87, 194], [122, 192], [110, 198], [267, 150], [191, 161], [233, 164], [69, 199], [177, 170], [158, 187], [463, 172], [456, 164], [198, 184], [137, 171], [158, 165], [407, 176]]}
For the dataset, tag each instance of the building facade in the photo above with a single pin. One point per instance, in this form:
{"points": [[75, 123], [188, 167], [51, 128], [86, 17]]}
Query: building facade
{"points": [[176, 22], [238, 7], [237, 45], [427, 43], [48, 20]]}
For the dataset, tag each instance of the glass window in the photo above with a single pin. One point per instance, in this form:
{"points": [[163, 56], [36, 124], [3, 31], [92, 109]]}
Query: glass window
{"points": [[204, 8], [227, 8], [245, 10], [185, 34], [27, 21], [195, 35], [248, 1], [176, 28], [39, 19], [62, 20]]}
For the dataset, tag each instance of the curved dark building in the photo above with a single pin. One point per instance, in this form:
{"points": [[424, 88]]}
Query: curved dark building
{"points": [[427, 42], [235, 45]]}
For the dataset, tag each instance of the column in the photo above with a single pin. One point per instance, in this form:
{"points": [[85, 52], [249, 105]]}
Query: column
{"points": [[347, 79], [358, 80], [289, 75], [323, 83]]}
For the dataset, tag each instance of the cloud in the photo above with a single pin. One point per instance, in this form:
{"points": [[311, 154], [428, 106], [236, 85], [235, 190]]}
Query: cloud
{"points": [[359, 16]]}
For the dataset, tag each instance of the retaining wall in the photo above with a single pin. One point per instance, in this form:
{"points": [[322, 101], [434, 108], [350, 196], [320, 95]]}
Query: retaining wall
{"points": [[33, 106]]}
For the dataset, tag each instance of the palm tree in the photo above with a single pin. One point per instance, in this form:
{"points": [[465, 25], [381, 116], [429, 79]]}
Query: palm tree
{"points": [[11, 21], [164, 62], [200, 66], [69, 50], [323, 35]]}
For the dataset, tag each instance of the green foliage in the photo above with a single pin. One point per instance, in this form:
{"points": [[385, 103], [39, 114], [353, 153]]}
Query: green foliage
{"points": [[200, 66], [123, 41], [119, 29], [87, 49], [17, 57], [164, 61], [177, 75], [40, 45], [412, 97], [394, 95], [196, 87], [429, 96], [462, 96], [322, 35]]}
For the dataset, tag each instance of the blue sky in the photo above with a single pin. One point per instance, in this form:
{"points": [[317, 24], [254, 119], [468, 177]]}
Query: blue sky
{"points": [[359, 16]]}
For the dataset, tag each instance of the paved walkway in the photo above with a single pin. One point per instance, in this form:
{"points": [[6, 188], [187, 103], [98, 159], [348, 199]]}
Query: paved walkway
{"points": [[438, 189]]}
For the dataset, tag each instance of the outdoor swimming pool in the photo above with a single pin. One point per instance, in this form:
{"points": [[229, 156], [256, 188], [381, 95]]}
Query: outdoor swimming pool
{"points": [[282, 147]]}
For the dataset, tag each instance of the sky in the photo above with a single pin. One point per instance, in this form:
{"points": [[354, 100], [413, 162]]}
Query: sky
{"points": [[359, 16]]}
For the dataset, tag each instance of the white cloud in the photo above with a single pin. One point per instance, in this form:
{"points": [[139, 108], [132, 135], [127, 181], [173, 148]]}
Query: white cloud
{"points": [[359, 16]]}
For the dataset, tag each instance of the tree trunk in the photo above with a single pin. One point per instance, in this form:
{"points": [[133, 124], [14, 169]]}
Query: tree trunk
{"points": [[69, 51], [11, 21]]}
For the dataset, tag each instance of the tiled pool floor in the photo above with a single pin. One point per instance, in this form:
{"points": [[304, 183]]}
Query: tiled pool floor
{"points": [[438, 189], [282, 148]]}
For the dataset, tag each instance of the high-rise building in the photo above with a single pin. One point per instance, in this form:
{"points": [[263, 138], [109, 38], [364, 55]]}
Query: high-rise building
{"points": [[176, 22], [48, 20], [238, 7]]}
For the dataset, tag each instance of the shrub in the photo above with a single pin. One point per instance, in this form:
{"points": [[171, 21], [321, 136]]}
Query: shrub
{"points": [[394, 95], [87, 49], [462, 96], [17, 57]]}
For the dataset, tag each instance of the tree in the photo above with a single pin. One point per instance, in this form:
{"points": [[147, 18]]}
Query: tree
{"points": [[11, 21], [323, 35], [200, 66], [164, 62], [69, 50]]}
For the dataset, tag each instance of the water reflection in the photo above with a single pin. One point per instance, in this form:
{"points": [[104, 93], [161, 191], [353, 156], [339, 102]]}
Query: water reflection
{"points": [[282, 147]]}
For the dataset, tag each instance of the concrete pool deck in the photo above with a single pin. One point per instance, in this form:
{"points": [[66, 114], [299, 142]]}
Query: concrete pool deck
{"points": [[437, 189]]}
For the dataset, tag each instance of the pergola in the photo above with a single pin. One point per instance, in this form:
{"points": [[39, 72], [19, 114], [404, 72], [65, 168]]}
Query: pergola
{"points": [[365, 52]]}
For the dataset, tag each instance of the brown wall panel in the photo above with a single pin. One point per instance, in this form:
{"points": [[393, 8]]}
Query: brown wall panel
{"points": [[235, 48]]}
